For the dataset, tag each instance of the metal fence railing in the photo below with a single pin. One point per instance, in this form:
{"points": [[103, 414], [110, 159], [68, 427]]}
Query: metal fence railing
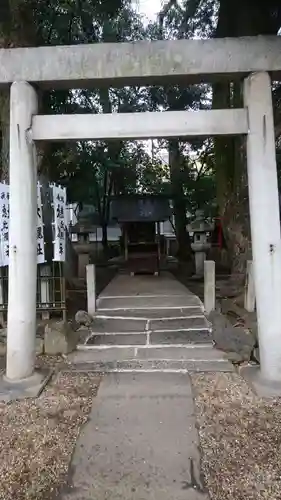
{"points": [[50, 293]]}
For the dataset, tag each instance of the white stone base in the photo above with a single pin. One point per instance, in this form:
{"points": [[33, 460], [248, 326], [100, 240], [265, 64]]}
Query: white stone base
{"points": [[30, 387], [262, 387]]}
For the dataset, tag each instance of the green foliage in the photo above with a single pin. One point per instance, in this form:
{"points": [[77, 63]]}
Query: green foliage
{"points": [[188, 18], [92, 171], [200, 185]]}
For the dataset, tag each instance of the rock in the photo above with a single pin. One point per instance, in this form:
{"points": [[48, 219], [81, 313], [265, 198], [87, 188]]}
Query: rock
{"points": [[256, 354], [60, 338], [2, 348], [237, 342], [83, 318], [83, 334], [3, 334], [74, 325], [254, 331], [40, 330], [39, 345], [235, 357]]}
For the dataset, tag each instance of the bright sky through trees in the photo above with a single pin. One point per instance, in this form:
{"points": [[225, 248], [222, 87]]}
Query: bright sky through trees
{"points": [[149, 8]]}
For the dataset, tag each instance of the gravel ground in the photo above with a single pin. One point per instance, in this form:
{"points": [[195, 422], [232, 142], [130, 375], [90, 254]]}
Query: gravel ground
{"points": [[240, 436], [38, 436]]}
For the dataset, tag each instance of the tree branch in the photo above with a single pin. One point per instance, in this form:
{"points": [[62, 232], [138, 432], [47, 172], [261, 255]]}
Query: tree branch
{"points": [[191, 8], [163, 13]]}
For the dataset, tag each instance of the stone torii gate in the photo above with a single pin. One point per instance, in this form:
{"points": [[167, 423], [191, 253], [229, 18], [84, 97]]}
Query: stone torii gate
{"points": [[142, 63]]}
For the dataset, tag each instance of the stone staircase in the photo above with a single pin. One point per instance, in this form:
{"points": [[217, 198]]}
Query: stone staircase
{"points": [[148, 333]]}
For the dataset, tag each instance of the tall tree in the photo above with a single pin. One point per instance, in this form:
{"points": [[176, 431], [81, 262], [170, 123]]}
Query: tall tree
{"points": [[171, 24], [231, 18], [238, 19]]}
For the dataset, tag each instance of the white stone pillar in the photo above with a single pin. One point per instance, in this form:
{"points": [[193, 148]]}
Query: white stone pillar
{"points": [[209, 286], [2, 322], [158, 236], [91, 288], [22, 240], [265, 221]]}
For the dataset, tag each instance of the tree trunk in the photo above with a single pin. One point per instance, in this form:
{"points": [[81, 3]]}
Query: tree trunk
{"points": [[179, 203], [236, 19], [104, 239], [232, 187]]}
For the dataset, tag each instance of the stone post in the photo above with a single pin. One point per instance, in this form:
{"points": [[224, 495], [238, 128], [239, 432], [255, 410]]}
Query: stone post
{"points": [[250, 298], [22, 235], [209, 286], [167, 247], [91, 288], [125, 243], [158, 235], [265, 221]]}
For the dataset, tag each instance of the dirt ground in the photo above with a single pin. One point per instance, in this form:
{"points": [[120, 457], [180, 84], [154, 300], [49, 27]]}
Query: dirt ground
{"points": [[239, 436], [38, 435], [240, 439]]}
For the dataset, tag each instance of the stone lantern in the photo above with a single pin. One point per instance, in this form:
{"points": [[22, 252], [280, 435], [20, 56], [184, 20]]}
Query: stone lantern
{"points": [[200, 227]]}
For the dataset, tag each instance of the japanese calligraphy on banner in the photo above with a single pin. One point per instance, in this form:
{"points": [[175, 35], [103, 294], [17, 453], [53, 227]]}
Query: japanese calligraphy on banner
{"points": [[59, 222], [4, 224], [40, 228]]}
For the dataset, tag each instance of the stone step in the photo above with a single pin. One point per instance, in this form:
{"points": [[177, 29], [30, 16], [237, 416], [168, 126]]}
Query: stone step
{"points": [[118, 339], [148, 301], [180, 337], [188, 323], [142, 338], [134, 365], [202, 357], [103, 324], [170, 352], [155, 313]]}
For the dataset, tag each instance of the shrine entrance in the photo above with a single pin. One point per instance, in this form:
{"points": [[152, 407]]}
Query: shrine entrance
{"points": [[139, 217], [143, 63]]}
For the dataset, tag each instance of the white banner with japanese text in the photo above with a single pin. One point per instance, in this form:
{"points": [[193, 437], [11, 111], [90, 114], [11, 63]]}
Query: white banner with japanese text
{"points": [[59, 223], [4, 226], [40, 228]]}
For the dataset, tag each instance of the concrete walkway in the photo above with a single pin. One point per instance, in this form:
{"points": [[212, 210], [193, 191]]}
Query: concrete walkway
{"points": [[165, 287], [149, 323], [140, 443]]}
